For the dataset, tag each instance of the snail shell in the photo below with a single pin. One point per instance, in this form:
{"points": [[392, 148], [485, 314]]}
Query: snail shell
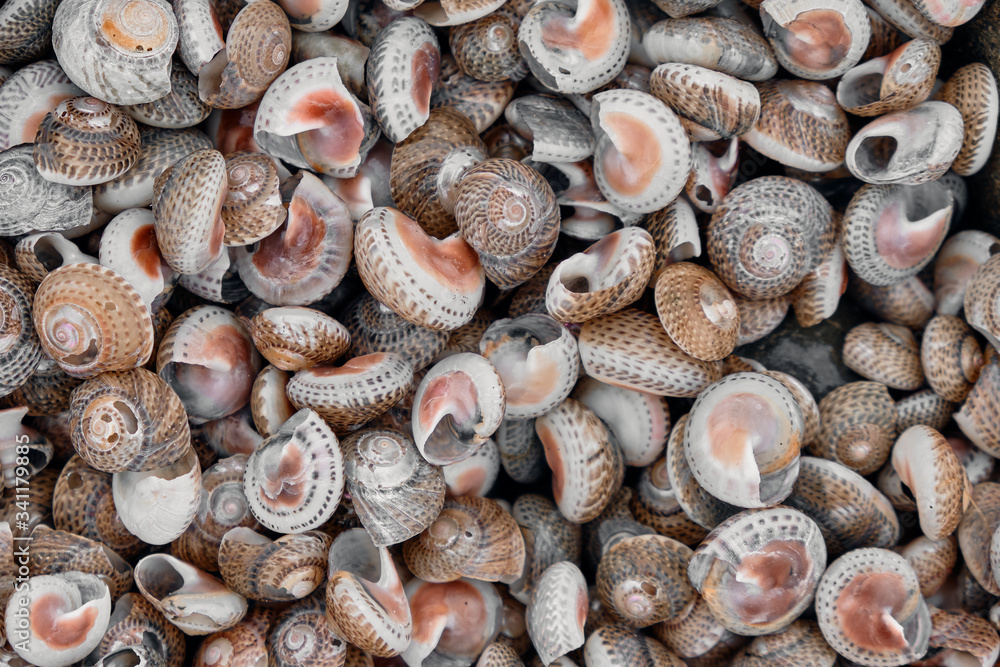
{"points": [[557, 130], [800, 644], [549, 538], [252, 209], [976, 535], [720, 44], [365, 600], [26, 30], [955, 265], [507, 212], [394, 491], [431, 283], [675, 232], [714, 168], [27, 96], [306, 257], [719, 102], [973, 90], [85, 141], [951, 357], [858, 426], [454, 621], [30, 203], [982, 306], [117, 50], [66, 613], [293, 338], [977, 418], [472, 537], [486, 49], [801, 125], [240, 646], [90, 320], [314, 17], [450, 12], [870, 610], [928, 467], [128, 420], [300, 634], [643, 158], [475, 475], [56, 551], [193, 600], [758, 570], [158, 505], [402, 71], [37, 255], [964, 636], [908, 147], [350, 54], [909, 303], [180, 108], [885, 38], [643, 580], [884, 353], [258, 45], [816, 40], [20, 351], [654, 504], [374, 327], [697, 311], [904, 78], [135, 623], [537, 360], [200, 35], [575, 49], [268, 402], [932, 561], [638, 420], [289, 568], [557, 611], [694, 634], [500, 654], [482, 101], [817, 297], [905, 17], [521, 452], [768, 234], [294, 480], [618, 645], [949, 14]]}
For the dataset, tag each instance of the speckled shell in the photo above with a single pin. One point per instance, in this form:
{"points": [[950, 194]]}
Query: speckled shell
{"points": [[117, 50], [20, 351], [258, 46], [25, 30], [951, 357], [557, 611], [801, 125], [482, 101], [714, 168], [575, 49], [606, 277], [314, 17], [949, 14], [928, 466], [402, 71], [84, 141], [269, 403], [557, 130], [521, 452], [630, 349], [973, 90], [858, 426], [252, 209], [288, 568], [798, 645], [719, 102], [675, 232], [374, 327], [27, 96], [642, 159], [955, 265], [242, 645], [350, 54], [81, 332], [486, 49], [975, 533], [300, 634], [895, 81], [982, 306], [30, 203], [933, 561], [908, 303], [873, 631], [923, 407], [180, 108], [137, 624], [768, 234], [694, 634], [293, 482], [434, 284], [817, 54], [697, 311], [56, 551], [906, 17], [293, 338], [720, 44], [978, 416], [38, 255], [964, 635], [201, 34], [884, 353]]}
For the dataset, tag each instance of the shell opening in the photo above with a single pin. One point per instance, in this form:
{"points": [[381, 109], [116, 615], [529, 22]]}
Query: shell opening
{"points": [[717, 304], [818, 39], [634, 156], [865, 609], [58, 627], [591, 32], [875, 153], [910, 229], [771, 581]]}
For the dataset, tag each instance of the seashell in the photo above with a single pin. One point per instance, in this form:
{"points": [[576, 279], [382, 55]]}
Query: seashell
{"points": [[159, 150], [655, 504], [674, 231], [200, 35], [37, 255], [817, 297], [472, 537], [801, 125], [736, 458], [268, 402], [955, 265], [350, 54], [975, 532], [713, 173], [697, 311], [557, 611], [982, 310], [180, 108], [885, 38], [487, 49], [619, 645], [85, 141], [374, 327], [537, 360], [870, 610], [608, 276], [128, 420], [20, 352], [932, 561], [973, 90], [693, 635], [293, 482], [932, 134], [892, 82], [858, 426], [977, 463], [64, 617], [402, 71], [963, 636], [193, 600], [158, 505], [475, 475], [365, 600], [311, 17], [884, 353], [948, 14], [758, 570], [455, 622], [252, 209], [639, 421], [242, 644], [347, 396], [801, 643], [137, 624], [891, 232], [123, 58], [209, 359], [54, 552], [558, 131], [289, 568], [909, 303], [499, 654], [33, 91], [549, 538], [906, 18], [928, 467], [90, 320], [806, 402], [508, 213], [768, 234], [521, 452], [258, 45], [951, 357], [30, 203], [300, 634], [816, 40], [719, 102], [26, 30], [630, 349], [642, 159], [393, 254], [723, 45], [977, 418], [482, 101], [370, 186], [293, 338]]}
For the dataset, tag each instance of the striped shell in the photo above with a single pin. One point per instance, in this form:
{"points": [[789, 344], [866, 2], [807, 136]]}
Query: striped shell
{"points": [[895, 81], [719, 102], [31, 203], [252, 209], [816, 40], [293, 338], [973, 90], [720, 44], [929, 468], [288, 568], [180, 108], [697, 311], [884, 353], [27, 96], [557, 611], [858, 426], [20, 351]]}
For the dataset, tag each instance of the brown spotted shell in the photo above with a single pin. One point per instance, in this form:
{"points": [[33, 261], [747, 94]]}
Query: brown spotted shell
{"points": [[300, 634], [252, 208], [55, 551], [858, 426], [895, 81], [288, 568], [973, 90], [486, 49], [292, 338], [697, 311], [885, 353], [374, 327], [716, 101], [951, 357], [20, 351]]}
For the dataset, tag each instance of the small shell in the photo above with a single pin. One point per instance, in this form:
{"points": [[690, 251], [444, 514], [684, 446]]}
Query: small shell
{"points": [[557, 611], [180, 108], [895, 81], [158, 505], [289, 568], [816, 40], [909, 303], [906, 17], [885, 37], [402, 71], [907, 147], [128, 420], [549, 538], [932, 561], [978, 416], [537, 360], [435, 284], [239, 646], [714, 167], [951, 357], [20, 351], [268, 402], [258, 45], [66, 614], [697, 311], [31, 203], [870, 610], [963, 636], [293, 338], [675, 232], [56, 551], [85, 141], [442, 632], [27, 96], [977, 536], [482, 101], [137, 624], [982, 306], [817, 297], [521, 452], [476, 475], [884, 353], [928, 467], [117, 50], [643, 158], [90, 320], [252, 209], [719, 102], [643, 580], [639, 421], [949, 14], [38, 255], [301, 635], [193, 600], [293, 482], [955, 265], [719, 44], [558, 131], [374, 327], [655, 504], [801, 125], [201, 35], [858, 426], [350, 54], [314, 17], [973, 90], [486, 48], [26, 30], [798, 645]]}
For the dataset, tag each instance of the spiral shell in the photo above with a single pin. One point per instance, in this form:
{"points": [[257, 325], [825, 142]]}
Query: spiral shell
{"points": [[482, 101], [37, 255], [895, 81], [557, 611], [289, 568], [697, 311], [718, 102], [158, 505], [238, 646], [137, 624], [816, 40], [486, 49], [884, 353], [557, 130], [908, 303], [521, 452], [374, 327], [293, 338], [29, 202], [20, 351], [949, 14], [973, 90], [180, 108], [801, 643], [720, 44], [252, 209], [300, 634], [951, 357], [117, 50], [32, 92]]}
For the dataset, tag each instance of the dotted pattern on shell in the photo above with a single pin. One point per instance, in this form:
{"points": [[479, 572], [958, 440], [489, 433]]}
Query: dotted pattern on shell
{"points": [[807, 404], [858, 426], [979, 417], [907, 81], [720, 44], [305, 618], [973, 90], [951, 357], [521, 452], [30, 203], [22, 352], [201, 34], [675, 232], [486, 49], [905, 17], [923, 407], [716, 101], [554, 618], [180, 108], [884, 353], [619, 646], [982, 300], [651, 568], [293, 338], [288, 568], [36, 87], [817, 297], [693, 635], [483, 102], [963, 632], [975, 533], [252, 209], [143, 620], [26, 30], [56, 551], [909, 304], [697, 311], [376, 328], [681, 8], [557, 130], [934, 476], [659, 509], [44, 394], [808, 60], [799, 643], [555, 538]]}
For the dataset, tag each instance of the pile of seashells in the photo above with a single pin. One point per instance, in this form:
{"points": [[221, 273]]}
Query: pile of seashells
{"points": [[284, 286]]}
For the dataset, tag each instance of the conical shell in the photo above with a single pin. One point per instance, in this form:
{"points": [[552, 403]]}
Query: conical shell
{"points": [[301, 635], [697, 311], [293, 338], [289, 568], [858, 426], [252, 209], [486, 48], [643, 580]]}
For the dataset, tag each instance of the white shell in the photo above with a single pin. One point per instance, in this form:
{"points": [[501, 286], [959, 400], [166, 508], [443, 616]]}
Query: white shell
{"points": [[158, 505]]}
